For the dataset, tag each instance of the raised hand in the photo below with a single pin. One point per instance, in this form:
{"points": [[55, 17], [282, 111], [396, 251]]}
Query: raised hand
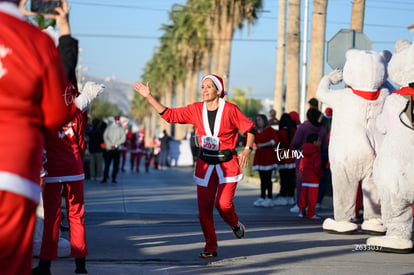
{"points": [[142, 89]]}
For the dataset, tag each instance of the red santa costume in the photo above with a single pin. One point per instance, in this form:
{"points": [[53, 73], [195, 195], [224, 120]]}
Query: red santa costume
{"points": [[31, 83], [139, 151], [265, 159], [65, 149], [311, 167], [216, 182], [287, 161]]}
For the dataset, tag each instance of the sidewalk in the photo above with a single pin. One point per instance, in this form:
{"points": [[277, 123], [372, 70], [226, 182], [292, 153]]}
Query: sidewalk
{"points": [[148, 224]]}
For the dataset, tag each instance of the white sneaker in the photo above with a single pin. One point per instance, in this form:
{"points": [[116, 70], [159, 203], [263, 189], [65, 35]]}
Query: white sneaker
{"points": [[291, 201], [280, 201], [318, 206], [267, 203], [294, 209], [258, 202]]}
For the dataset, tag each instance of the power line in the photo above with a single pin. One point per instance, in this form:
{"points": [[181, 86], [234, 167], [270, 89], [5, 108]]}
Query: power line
{"points": [[140, 37]]}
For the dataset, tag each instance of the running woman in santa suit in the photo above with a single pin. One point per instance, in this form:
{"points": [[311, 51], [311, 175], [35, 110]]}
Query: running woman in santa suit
{"points": [[217, 123]]}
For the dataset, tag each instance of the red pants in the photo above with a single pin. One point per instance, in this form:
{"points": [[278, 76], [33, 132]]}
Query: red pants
{"points": [[75, 208], [17, 220], [137, 157], [308, 198], [222, 195]]}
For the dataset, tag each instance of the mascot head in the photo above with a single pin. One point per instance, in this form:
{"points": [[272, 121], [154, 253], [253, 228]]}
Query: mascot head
{"points": [[401, 66], [365, 70]]}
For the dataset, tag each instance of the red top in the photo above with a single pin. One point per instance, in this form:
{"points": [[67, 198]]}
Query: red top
{"points": [[285, 154], [229, 120], [310, 164], [265, 158]]}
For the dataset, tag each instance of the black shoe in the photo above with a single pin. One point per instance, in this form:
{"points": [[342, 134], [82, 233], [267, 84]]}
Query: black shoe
{"points": [[80, 266], [103, 181], [239, 230], [114, 182], [208, 254], [43, 268]]}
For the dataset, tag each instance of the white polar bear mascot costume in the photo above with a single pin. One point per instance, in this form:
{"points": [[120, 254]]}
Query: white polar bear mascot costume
{"points": [[354, 138], [394, 165]]}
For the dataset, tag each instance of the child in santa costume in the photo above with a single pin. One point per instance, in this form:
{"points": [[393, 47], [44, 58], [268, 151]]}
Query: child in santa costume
{"points": [[217, 124], [311, 167]]}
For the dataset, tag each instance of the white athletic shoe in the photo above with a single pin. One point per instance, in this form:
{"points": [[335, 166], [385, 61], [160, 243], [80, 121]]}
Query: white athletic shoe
{"points": [[280, 201], [267, 203], [258, 202], [291, 201], [294, 209]]}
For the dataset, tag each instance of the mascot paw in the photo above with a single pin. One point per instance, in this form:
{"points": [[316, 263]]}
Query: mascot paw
{"points": [[373, 227], [390, 244], [339, 227]]}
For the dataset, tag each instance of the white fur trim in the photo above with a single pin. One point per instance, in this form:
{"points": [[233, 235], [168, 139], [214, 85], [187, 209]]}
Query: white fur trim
{"points": [[11, 9], [264, 168], [217, 122], [204, 181], [215, 80], [19, 185], [64, 178]]}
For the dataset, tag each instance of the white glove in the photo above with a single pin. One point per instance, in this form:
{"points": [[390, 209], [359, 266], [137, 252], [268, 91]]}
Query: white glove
{"points": [[90, 91], [335, 76]]}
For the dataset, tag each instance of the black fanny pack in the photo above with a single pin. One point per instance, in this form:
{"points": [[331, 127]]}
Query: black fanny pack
{"points": [[216, 157]]}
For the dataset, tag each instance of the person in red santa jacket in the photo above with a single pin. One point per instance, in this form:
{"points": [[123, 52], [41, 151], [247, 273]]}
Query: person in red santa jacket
{"points": [[311, 167], [217, 124], [32, 81], [65, 150]]}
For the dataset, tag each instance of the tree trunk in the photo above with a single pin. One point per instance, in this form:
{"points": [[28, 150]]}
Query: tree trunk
{"points": [[293, 56], [358, 13], [317, 51], [278, 104], [226, 35]]}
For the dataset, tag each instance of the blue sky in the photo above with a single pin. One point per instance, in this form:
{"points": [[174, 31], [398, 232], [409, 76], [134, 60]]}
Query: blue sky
{"points": [[118, 37]]}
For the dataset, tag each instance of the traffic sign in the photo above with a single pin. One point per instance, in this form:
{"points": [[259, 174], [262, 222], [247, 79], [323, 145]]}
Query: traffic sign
{"points": [[342, 41]]}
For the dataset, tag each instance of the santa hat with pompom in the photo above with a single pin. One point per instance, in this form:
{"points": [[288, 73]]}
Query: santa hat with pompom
{"points": [[218, 81]]}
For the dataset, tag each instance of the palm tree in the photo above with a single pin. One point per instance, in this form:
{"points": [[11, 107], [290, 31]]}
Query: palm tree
{"points": [[317, 51], [292, 56], [281, 60], [230, 15], [358, 13]]}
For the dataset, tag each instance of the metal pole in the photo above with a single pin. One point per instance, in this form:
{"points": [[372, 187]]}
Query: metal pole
{"points": [[303, 92]]}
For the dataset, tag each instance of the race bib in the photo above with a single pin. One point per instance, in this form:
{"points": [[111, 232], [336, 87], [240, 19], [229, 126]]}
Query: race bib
{"points": [[210, 143]]}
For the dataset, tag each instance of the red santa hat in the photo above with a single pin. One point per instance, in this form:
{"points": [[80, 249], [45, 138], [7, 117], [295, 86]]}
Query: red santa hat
{"points": [[328, 112], [218, 81]]}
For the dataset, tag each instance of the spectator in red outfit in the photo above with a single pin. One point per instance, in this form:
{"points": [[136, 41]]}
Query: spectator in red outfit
{"points": [[65, 150], [286, 158], [30, 102], [265, 159], [311, 167]]}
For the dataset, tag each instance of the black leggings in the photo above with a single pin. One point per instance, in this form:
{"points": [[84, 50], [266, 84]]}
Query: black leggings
{"points": [[266, 184], [287, 182]]}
